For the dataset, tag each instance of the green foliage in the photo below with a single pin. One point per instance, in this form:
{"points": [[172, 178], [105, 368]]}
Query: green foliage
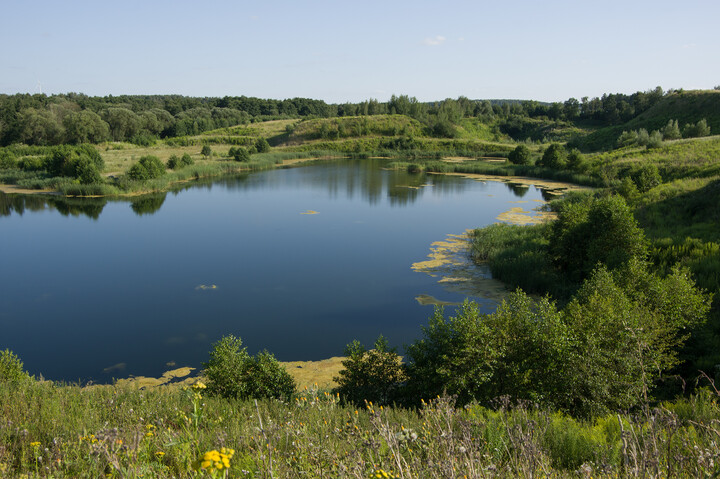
{"points": [[592, 231], [520, 155], [206, 151], [233, 373], [175, 162], [627, 138], [239, 154], [576, 161], [554, 157], [627, 329], [603, 352], [11, 369], [7, 159], [143, 139], [374, 375], [262, 145], [146, 168], [82, 162], [671, 130], [456, 356], [655, 140], [697, 130], [646, 177]]}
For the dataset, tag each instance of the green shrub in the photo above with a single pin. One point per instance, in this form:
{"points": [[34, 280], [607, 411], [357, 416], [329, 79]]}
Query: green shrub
{"points": [[241, 154], [11, 368], [374, 375], [262, 145], [576, 161], [697, 130], [206, 151], [671, 130], [554, 157], [646, 177], [173, 162], [7, 160], [186, 160], [31, 163], [143, 139], [520, 155], [146, 168], [233, 373]]}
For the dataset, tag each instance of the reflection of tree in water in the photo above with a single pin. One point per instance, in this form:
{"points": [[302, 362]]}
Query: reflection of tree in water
{"points": [[90, 207], [17, 203], [518, 189], [548, 195], [148, 204], [448, 185], [365, 177]]}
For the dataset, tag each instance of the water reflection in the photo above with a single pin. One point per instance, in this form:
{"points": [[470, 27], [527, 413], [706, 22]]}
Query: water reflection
{"points": [[19, 203], [364, 178], [148, 204], [517, 189]]}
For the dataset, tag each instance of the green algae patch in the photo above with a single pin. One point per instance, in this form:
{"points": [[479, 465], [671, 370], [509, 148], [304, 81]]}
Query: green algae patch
{"points": [[518, 216], [550, 186], [311, 373], [449, 261], [427, 300], [115, 367], [168, 377]]}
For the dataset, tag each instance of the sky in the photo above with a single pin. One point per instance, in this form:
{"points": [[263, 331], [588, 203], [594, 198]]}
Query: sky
{"points": [[341, 51]]}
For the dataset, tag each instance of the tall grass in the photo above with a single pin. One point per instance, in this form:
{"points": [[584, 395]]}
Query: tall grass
{"points": [[54, 430]]}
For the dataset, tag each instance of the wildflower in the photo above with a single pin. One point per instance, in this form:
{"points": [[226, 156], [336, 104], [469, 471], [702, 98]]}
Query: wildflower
{"points": [[216, 460], [159, 454], [380, 473], [35, 444]]}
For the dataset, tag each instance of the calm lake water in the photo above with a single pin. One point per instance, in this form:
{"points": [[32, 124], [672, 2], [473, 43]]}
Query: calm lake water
{"points": [[94, 289]]}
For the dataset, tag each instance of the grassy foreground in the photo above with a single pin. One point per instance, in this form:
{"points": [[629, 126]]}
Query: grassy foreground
{"points": [[51, 430]]}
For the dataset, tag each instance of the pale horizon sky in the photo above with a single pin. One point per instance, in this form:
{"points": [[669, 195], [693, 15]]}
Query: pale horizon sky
{"points": [[346, 51]]}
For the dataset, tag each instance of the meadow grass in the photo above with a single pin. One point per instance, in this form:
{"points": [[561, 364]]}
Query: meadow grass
{"points": [[55, 430]]}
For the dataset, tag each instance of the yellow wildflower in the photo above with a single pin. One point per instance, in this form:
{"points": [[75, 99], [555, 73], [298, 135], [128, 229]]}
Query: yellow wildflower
{"points": [[219, 460]]}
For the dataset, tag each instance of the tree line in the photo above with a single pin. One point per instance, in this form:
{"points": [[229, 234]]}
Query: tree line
{"points": [[77, 118]]}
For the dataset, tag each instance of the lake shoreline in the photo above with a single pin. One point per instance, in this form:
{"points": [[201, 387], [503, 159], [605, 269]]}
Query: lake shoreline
{"points": [[550, 186]]}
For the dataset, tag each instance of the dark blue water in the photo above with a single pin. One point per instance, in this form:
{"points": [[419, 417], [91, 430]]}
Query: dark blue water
{"points": [[90, 284]]}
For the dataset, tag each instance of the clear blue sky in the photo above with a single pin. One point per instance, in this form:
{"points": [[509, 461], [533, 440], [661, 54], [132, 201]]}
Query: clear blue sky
{"points": [[350, 51]]}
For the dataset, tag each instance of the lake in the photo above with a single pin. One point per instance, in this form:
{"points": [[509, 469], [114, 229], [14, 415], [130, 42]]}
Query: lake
{"points": [[297, 261]]}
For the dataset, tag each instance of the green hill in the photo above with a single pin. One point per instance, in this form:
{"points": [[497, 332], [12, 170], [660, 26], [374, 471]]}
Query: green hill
{"points": [[683, 106]]}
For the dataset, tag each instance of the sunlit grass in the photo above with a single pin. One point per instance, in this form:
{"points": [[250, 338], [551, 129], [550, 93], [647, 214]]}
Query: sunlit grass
{"points": [[56, 430]]}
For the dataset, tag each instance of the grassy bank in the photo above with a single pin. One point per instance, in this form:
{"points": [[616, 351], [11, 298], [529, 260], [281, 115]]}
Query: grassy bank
{"points": [[51, 430]]}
